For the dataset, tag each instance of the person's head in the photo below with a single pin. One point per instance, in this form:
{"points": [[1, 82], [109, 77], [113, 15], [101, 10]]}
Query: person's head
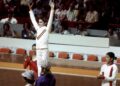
{"points": [[61, 7], [6, 26], [34, 47], [10, 15], [26, 25], [91, 8], [110, 57], [41, 20], [111, 31], [6, 29], [46, 68], [32, 53], [71, 7]]}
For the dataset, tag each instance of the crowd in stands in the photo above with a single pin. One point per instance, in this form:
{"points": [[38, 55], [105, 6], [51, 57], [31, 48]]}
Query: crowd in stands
{"points": [[71, 16]]}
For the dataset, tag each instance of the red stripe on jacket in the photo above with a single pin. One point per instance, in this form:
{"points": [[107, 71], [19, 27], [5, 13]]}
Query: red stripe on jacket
{"points": [[38, 37], [111, 70]]}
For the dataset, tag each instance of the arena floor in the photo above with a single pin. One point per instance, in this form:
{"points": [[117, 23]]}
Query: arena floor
{"points": [[10, 75]]}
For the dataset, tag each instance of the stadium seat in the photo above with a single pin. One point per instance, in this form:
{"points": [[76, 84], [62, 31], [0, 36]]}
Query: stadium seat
{"points": [[77, 56], [32, 52], [21, 51], [103, 59], [63, 55], [92, 58], [5, 50], [51, 54]]}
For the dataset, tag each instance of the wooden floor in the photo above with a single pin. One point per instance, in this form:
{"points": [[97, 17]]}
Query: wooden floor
{"points": [[13, 78], [10, 71]]}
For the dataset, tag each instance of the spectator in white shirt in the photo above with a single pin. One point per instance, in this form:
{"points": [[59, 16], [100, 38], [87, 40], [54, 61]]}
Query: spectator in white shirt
{"points": [[61, 12], [91, 16], [10, 19], [70, 13]]}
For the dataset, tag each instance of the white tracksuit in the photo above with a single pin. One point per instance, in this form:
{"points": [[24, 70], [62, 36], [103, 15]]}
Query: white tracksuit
{"points": [[41, 40], [110, 73]]}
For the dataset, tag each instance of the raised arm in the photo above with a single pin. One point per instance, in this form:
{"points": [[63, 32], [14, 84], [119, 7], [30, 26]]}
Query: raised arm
{"points": [[51, 16], [32, 17]]}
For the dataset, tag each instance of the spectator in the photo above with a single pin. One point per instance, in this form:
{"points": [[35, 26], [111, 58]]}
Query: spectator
{"points": [[7, 31], [112, 34], [57, 25], [82, 30], [24, 7], [61, 12], [10, 19], [64, 29], [6, 2], [8, 6], [109, 71], [91, 16], [38, 10], [70, 13], [46, 78], [85, 3], [27, 33], [76, 11]]}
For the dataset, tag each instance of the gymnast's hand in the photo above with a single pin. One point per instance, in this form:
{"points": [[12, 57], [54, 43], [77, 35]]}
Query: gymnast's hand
{"points": [[51, 5], [30, 6]]}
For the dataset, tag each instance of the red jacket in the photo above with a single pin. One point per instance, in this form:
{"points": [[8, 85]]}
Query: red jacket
{"points": [[32, 65]]}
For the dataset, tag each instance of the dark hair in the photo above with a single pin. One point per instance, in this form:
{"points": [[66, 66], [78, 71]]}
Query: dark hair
{"points": [[4, 29], [33, 45], [46, 69], [6, 24], [111, 55], [27, 24], [43, 18]]}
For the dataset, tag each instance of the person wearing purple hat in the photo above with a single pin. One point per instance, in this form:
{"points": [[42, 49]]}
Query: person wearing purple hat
{"points": [[108, 71], [46, 77]]}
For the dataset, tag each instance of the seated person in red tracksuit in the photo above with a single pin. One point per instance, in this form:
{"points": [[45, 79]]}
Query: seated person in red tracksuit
{"points": [[31, 63]]}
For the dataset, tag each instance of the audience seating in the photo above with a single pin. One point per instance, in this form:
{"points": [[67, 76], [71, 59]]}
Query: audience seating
{"points": [[51, 54], [5, 50], [77, 56], [21, 51], [63, 55], [92, 58]]}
